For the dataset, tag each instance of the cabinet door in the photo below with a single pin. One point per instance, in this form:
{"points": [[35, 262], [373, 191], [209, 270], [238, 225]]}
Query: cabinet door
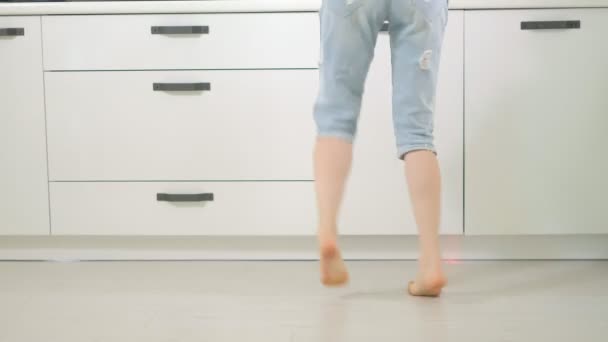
{"points": [[536, 120], [23, 172], [377, 201]]}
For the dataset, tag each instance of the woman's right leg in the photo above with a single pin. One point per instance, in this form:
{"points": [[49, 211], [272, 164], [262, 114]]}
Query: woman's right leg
{"points": [[417, 28]]}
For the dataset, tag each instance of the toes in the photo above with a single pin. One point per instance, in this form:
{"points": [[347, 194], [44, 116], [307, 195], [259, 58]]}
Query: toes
{"points": [[335, 281], [414, 290], [410, 288]]}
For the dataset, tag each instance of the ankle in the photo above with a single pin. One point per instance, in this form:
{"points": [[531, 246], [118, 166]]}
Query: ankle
{"points": [[327, 234], [430, 266]]}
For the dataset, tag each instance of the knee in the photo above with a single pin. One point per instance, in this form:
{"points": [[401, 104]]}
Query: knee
{"points": [[336, 120]]}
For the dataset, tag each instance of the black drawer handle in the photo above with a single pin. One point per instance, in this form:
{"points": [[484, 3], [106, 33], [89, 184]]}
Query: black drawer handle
{"points": [[384, 27], [184, 197], [180, 29], [181, 86], [551, 25], [12, 32]]}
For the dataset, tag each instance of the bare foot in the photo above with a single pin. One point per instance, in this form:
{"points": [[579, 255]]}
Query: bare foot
{"points": [[333, 269], [428, 285]]}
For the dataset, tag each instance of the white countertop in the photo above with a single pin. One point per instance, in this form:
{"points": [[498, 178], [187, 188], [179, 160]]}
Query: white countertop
{"points": [[215, 6]]}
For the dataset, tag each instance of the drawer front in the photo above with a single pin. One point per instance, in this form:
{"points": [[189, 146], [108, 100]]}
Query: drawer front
{"points": [[243, 125], [209, 41], [241, 208], [536, 118]]}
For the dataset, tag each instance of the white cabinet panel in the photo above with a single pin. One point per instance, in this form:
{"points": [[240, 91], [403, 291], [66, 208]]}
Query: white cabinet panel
{"points": [[238, 208], [377, 200], [23, 172], [536, 120], [249, 125], [226, 41]]}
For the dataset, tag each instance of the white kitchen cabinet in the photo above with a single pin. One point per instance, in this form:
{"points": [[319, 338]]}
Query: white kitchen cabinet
{"points": [[244, 125], [181, 41], [377, 200], [183, 208], [23, 170], [536, 121]]}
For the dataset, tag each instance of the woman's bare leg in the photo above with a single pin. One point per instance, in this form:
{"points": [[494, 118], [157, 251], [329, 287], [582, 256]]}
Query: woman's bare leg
{"points": [[424, 181], [333, 157]]}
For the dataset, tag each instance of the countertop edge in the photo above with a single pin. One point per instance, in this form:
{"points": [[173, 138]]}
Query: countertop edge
{"points": [[247, 6]]}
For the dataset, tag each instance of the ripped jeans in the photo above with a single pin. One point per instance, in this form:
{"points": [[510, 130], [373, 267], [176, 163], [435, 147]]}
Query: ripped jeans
{"points": [[349, 30]]}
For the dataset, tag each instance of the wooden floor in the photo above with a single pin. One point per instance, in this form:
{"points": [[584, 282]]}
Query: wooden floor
{"points": [[283, 302]]}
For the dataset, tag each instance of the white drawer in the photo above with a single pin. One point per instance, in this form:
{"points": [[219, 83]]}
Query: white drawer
{"points": [[241, 208], [233, 41], [251, 125]]}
